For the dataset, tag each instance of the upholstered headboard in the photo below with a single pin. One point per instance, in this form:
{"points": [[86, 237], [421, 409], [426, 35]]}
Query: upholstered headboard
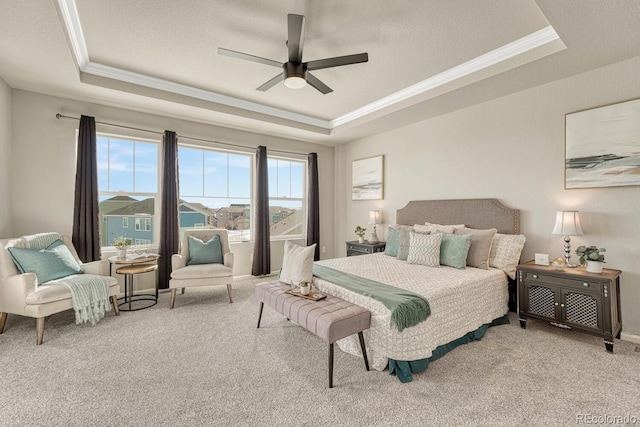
{"points": [[474, 213]]}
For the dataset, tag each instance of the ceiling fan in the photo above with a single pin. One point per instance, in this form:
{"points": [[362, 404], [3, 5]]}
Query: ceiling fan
{"points": [[295, 73]]}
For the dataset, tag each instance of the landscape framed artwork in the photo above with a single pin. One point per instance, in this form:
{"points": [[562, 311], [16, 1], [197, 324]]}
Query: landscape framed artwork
{"points": [[602, 146], [367, 178]]}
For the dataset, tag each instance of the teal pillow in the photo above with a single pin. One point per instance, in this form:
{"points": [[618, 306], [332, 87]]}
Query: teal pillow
{"points": [[54, 262], [393, 242], [454, 249], [205, 253]]}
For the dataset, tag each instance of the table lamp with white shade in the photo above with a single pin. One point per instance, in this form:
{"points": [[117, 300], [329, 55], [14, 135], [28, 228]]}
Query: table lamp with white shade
{"points": [[567, 224], [374, 218]]}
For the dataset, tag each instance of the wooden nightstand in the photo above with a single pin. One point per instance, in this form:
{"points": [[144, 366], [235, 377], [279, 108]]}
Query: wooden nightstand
{"points": [[355, 248], [571, 298]]}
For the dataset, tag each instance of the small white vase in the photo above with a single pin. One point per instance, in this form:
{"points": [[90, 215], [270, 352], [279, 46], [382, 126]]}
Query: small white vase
{"points": [[305, 290], [122, 253], [360, 239], [594, 266]]}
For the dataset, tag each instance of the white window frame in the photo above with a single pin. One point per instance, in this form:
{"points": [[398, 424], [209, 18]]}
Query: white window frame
{"points": [[156, 196], [303, 199]]}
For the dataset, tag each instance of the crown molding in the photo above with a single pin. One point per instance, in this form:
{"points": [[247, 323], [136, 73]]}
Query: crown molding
{"points": [[72, 24]]}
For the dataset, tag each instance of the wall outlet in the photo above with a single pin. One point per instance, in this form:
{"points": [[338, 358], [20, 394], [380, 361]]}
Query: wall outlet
{"points": [[324, 249]]}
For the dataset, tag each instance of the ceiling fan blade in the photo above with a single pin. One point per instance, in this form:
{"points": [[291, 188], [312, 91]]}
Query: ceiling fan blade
{"points": [[271, 83], [316, 83], [246, 56], [296, 37], [337, 61]]}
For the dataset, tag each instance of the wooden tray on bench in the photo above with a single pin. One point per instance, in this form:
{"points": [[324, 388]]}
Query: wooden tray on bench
{"points": [[313, 296]]}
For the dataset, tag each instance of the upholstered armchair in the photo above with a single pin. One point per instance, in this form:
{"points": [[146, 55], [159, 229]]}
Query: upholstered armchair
{"points": [[208, 263], [21, 294]]}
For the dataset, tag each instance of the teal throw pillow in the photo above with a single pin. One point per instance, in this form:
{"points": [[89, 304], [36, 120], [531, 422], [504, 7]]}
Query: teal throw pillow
{"points": [[54, 262], [454, 249], [393, 242], [205, 253]]}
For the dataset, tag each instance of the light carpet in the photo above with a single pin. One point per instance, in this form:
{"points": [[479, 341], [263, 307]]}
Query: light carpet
{"points": [[204, 363]]}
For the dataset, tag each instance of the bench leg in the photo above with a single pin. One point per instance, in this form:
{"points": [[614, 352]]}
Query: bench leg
{"points": [[331, 365], [364, 350], [260, 314]]}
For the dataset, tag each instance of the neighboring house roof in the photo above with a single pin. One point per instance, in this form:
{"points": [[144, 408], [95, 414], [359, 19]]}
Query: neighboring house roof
{"points": [[198, 207], [143, 207], [114, 203]]}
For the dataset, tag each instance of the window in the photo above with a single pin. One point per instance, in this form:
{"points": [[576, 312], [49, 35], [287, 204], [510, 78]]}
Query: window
{"points": [[142, 242], [143, 224], [127, 187], [215, 190], [287, 197]]}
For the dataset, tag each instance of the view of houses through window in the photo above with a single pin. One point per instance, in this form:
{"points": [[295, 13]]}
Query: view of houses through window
{"points": [[215, 191]]}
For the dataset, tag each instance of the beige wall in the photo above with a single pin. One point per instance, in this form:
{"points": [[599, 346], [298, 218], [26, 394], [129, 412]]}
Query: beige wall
{"points": [[512, 149], [5, 160], [44, 153]]}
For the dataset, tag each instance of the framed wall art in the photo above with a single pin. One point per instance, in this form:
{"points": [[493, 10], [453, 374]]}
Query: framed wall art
{"points": [[602, 146], [367, 179]]}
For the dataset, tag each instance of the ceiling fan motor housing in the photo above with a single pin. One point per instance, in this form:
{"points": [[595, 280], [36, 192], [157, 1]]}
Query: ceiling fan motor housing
{"points": [[295, 74]]}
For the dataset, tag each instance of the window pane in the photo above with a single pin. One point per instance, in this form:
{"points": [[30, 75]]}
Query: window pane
{"points": [[191, 173], [146, 172], [284, 179], [297, 180], [215, 174], [272, 167], [120, 165], [102, 154], [285, 217], [239, 175], [136, 213]]}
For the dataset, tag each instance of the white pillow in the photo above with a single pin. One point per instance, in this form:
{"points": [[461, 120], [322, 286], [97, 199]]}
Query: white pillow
{"points": [[432, 228], [424, 249], [505, 252], [297, 264]]}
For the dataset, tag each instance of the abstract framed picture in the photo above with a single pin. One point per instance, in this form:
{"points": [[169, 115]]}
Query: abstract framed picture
{"points": [[602, 146], [367, 179]]}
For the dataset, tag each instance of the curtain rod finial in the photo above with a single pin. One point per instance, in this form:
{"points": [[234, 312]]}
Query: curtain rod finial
{"points": [[58, 116]]}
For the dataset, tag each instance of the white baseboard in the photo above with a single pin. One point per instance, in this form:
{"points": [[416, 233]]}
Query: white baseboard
{"points": [[249, 276], [630, 337]]}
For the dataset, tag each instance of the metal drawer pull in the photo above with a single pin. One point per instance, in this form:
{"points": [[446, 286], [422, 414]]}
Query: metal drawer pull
{"points": [[561, 305], [535, 276], [585, 284], [556, 303]]}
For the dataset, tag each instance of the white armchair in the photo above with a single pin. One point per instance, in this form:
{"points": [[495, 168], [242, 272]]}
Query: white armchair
{"points": [[184, 276], [21, 295]]}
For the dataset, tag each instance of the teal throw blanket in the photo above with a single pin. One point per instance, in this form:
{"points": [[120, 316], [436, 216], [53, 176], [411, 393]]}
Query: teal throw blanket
{"points": [[90, 296], [407, 308]]}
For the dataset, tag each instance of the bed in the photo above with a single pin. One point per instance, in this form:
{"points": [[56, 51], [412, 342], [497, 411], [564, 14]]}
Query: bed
{"points": [[463, 302]]}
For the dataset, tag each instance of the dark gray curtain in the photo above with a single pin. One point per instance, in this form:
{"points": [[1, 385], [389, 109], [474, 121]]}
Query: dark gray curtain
{"points": [[86, 216], [261, 235], [169, 205], [313, 211]]}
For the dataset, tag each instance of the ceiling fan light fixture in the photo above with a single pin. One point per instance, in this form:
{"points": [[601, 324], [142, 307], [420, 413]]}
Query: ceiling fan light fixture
{"points": [[295, 82], [295, 75]]}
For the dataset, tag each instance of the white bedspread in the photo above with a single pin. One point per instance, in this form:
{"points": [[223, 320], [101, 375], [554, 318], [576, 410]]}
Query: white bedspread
{"points": [[461, 301]]}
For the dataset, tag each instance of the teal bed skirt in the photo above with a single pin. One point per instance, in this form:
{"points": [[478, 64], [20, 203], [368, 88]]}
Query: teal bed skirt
{"points": [[404, 369]]}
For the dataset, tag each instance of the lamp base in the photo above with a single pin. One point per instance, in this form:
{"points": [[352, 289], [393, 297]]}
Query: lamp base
{"points": [[373, 239]]}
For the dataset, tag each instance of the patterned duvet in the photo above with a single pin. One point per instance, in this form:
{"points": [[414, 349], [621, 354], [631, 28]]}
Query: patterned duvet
{"points": [[461, 301]]}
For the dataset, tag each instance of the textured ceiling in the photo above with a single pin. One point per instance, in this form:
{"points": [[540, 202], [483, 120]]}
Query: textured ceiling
{"points": [[426, 57]]}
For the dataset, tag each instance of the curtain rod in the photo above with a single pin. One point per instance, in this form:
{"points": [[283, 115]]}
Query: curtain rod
{"points": [[62, 116]]}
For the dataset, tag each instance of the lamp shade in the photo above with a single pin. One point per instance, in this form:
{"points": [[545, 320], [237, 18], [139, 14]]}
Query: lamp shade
{"points": [[567, 223], [374, 217]]}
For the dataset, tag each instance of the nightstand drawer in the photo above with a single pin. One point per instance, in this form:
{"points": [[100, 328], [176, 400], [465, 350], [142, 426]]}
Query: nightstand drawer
{"points": [[360, 248], [584, 285]]}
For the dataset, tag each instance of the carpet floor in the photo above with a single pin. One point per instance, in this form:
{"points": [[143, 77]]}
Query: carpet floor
{"points": [[204, 363]]}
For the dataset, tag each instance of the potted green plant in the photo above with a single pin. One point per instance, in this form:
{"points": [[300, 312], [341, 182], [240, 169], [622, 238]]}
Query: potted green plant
{"points": [[305, 288], [360, 233], [121, 244], [592, 256]]}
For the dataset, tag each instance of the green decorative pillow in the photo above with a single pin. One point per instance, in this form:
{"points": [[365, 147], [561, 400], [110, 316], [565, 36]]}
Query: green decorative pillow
{"points": [[54, 262], [205, 253], [393, 242], [454, 249]]}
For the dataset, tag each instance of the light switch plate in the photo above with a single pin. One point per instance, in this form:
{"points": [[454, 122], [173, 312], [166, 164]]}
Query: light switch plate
{"points": [[542, 259]]}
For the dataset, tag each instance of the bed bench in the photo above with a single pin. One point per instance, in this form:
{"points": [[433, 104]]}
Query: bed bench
{"points": [[330, 318]]}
